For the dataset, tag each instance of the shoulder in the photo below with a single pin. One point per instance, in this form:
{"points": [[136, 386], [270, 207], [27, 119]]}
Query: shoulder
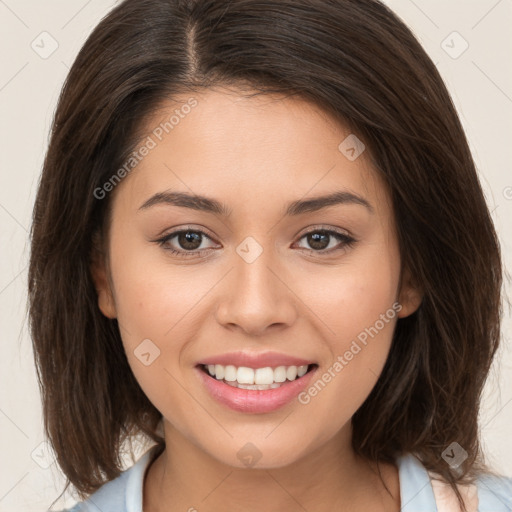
{"points": [[489, 493], [421, 491], [110, 497], [494, 493], [123, 494]]}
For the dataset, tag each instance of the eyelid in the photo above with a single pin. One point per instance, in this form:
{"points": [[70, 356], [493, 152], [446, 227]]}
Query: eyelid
{"points": [[321, 227], [186, 227]]}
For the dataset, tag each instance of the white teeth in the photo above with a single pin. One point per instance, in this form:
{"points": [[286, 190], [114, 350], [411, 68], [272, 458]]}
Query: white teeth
{"points": [[230, 373], [280, 373], [259, 378], [263, 376], [219, 371], [302, 370], [291, 373], [244, 375]]}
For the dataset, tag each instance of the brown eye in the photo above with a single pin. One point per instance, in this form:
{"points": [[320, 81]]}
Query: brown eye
{"points": [[187, 243], [323, 240]]}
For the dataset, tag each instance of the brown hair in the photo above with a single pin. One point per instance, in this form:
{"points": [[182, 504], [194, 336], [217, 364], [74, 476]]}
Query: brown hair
{"points": [[357, 60]]}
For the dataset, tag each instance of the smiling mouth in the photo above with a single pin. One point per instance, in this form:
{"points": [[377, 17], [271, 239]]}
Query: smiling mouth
{"points": [[259, 379]]}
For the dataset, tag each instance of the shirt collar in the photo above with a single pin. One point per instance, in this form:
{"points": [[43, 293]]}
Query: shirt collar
{"points": [[135, 482], [416, 492]]}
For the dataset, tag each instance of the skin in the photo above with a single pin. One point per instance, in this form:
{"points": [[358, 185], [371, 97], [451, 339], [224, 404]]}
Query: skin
{"points": [[256, 155]]}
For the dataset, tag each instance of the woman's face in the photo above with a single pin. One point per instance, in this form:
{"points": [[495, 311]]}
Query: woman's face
{"points": [[255, 282]]}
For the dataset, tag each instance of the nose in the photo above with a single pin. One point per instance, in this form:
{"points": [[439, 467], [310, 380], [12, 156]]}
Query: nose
{"points": [[257, 296]]}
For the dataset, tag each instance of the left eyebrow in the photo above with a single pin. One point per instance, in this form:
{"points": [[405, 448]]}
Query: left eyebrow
{"points": [[318, 203], [210, 205]]}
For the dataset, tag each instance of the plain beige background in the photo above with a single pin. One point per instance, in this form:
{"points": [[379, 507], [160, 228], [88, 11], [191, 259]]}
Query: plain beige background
{"points": [[468, 40]]}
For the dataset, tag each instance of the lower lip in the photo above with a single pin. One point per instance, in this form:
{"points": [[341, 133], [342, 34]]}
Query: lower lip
{"points": [[252, 400]]}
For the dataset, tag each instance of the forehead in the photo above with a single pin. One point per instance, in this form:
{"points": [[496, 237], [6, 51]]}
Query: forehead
{"points": [[222, 143]]}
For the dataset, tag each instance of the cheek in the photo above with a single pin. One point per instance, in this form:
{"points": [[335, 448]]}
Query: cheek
{"points": [[152, 295], [162, 308], [357, 305], [353, 295], [154, 309]]}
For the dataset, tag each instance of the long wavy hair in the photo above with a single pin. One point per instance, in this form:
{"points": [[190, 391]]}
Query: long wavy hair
{"points": [[359, 62]]}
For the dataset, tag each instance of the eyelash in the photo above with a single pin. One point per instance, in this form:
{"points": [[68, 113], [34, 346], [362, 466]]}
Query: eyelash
{"points": [[346, 241]]}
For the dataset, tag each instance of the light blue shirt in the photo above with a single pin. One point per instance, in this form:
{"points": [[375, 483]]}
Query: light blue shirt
{"points": [[124, 494]]}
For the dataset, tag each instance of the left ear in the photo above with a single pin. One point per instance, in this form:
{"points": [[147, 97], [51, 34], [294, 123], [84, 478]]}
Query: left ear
{"points": [[410, 295]]}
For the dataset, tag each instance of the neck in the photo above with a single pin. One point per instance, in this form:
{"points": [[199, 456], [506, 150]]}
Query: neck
{"points": [[331, 476]]}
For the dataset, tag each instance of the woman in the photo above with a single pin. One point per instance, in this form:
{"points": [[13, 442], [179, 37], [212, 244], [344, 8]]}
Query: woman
{"points": [[260, 241]]}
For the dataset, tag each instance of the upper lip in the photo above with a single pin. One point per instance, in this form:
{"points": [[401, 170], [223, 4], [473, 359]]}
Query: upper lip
{"points": [[255, 360]]}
